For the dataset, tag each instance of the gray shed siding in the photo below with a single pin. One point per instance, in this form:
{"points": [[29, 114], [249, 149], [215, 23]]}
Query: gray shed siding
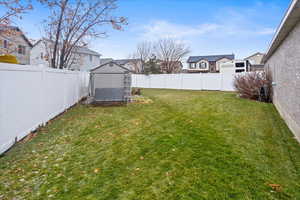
{"points": [[285, 67], [111, 82]]}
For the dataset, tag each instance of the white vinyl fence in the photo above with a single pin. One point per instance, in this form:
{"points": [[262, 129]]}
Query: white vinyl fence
{"points": [[201, 81], [31, 95]]}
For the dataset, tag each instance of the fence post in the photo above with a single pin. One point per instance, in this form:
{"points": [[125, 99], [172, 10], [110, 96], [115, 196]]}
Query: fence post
{"points": [[181, 81], [43, 87]]}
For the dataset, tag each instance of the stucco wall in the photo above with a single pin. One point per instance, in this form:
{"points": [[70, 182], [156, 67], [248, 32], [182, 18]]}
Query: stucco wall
{"points": [[285, 67]]}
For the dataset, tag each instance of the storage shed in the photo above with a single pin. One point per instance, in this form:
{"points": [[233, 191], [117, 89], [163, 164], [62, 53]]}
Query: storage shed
{"points": [[111, 82]]}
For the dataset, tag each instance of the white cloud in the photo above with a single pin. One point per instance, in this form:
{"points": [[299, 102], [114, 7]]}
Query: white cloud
{"points": [[164, 29], [266, 31]]}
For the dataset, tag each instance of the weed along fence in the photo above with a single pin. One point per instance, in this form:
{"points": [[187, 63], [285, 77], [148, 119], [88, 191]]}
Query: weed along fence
{"points": [[201, 81], [30, 96]]}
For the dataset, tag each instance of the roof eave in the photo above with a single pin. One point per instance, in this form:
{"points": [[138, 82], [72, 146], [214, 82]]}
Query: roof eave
{"points": [[291, 18]]}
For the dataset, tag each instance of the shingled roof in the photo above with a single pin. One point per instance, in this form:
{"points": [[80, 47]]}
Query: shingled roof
{"points": [[125, 61], [210, 58]]}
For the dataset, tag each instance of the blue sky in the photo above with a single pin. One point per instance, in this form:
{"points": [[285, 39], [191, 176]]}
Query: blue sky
{"points": [[242, 27]]}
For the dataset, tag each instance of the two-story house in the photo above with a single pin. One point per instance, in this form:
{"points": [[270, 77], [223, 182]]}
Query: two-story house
{"points": [[14, 42], [211, 63], [83, 58]]}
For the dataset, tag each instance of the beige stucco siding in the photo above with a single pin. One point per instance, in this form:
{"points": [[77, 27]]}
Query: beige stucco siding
{"points": [[221, 61], [256, 59], [285, 67]]}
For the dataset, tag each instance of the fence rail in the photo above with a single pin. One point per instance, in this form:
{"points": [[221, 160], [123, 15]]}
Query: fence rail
{"points": [[203, 81], [30, 96]]}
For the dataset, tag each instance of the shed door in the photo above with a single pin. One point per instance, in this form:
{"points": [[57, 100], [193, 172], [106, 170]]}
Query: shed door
{"points": [[108, 87]]}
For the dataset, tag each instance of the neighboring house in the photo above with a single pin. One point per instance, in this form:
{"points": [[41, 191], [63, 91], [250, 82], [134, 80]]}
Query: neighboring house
{"points": [[211, 63], [255, 61], [84, 59], [283, 60], [14, 42], [134, 65]]}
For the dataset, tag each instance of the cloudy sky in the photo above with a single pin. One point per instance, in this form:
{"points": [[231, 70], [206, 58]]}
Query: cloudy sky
{"points": [[241, 27]]}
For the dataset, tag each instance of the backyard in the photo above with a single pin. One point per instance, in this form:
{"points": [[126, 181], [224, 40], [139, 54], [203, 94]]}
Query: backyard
{"points": [[174, 145]]}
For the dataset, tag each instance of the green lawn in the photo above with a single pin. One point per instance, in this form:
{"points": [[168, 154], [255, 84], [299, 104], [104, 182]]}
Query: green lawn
{"points": [[186, 145]]}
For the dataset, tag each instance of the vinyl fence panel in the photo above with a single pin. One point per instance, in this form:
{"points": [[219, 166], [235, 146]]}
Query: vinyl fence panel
{"points": [[201, 81], [30, 96]]}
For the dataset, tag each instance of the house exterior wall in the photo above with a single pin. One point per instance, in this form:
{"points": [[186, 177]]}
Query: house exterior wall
{"points": [[221, 61], [38, 55], [18, 40], [195, 67], [82, 61], [256, 59], [285, 67], [213, 66]]}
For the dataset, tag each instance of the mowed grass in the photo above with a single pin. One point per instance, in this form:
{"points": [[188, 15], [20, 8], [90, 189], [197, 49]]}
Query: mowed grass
{"points": [[185, 145]]}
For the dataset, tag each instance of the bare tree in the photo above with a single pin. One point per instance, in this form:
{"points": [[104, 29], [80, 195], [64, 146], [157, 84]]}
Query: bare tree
{"points": [[72, 22], [143, 53], [13, 9], [170, 52]]}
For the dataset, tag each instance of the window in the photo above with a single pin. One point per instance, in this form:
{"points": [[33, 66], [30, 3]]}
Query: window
{"points": [[202, 65], [239, 70], [192, 66], [21, 49], [42, 55], [240, 65], [91, 58], [5, 44]]}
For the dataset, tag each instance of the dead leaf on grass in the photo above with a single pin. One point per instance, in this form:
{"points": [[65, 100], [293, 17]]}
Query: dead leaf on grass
{"points": [[276, 187]]}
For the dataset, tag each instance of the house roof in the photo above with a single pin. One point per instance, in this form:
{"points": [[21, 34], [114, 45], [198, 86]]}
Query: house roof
{"points": [[257, 53], [15, 28], [83, 50], [290, 20], [125, 61], [210, 58], [105, 60]]}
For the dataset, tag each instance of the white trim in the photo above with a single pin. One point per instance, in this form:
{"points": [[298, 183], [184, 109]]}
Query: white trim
{"points": [[201, 61]]}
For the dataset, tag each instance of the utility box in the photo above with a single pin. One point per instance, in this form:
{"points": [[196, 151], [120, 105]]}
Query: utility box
{"points": [[111, 82]]}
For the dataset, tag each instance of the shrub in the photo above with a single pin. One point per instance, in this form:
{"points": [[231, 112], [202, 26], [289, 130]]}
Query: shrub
{"points": [[8, 59], [254, 85], [136, 91]]}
